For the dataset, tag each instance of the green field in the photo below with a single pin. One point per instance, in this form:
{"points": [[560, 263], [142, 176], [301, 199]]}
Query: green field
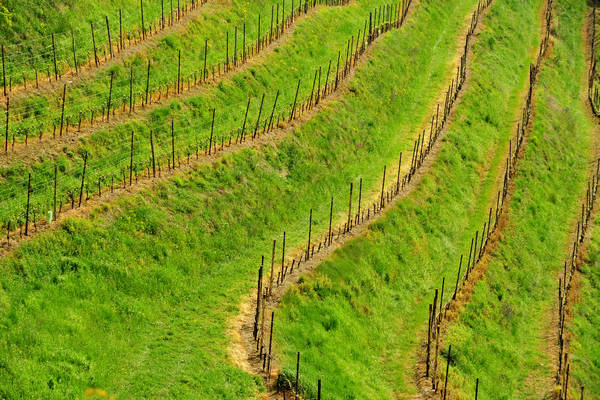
{"points": [[135, 295], [140, 258], [350, 294]]}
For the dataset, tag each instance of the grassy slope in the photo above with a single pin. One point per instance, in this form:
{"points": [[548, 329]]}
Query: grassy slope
{"points": [[108, 150], [358, 320], [501, 334], [26, 27], [137, 299], [585, 345], [213, 24]]}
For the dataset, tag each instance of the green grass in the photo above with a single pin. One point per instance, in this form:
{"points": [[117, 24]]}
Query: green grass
{"points": [[137, 299], [108, 150], [359, 319], [501, 335], [26, 27], [39, 111]]}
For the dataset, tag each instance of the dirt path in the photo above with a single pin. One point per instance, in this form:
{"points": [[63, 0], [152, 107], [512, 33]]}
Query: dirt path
{"points": [[244, 346], [50, 146]]}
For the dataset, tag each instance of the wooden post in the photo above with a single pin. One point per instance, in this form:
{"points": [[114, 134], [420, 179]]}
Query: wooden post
{"points": [[54, 58], [74, 53], [85, 156], [477, 389], [319, 389], [131, 161], [162, 13], [204, 70], [318, 88], [329, 235], [3, 70], [442, 298], [258, 298], [447, 370], [327, 79], [235, 47], [309, 234], [349, 208], [212, 127], [109, 96], [244, 43], [337, 72], [62, 112], [179, 86], [258, 36], [226, 52], [242, 134], [147, 82], [429, 330], [272, 269], [273, 111], [153, 156], [382, 202], [27, 209], [131, 89], [457, 277], [282, 257], [6, 131], [270, 345], [358, 219], [313, 89], [173, 142], [94, 44], [54, 197], [142, 12], [271, 30], [297, 373], [398, 178], [121, 29], [259, 115], [295, 100], [112, 54]]}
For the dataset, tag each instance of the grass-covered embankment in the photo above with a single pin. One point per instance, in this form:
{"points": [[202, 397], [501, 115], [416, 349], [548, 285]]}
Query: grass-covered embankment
{"points": [[41, 111], [27, 26], [584, 350], [502, 335], [359, 320], [137, 298], [108, 150]]}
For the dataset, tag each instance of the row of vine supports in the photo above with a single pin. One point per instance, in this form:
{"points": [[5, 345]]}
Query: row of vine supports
{"points": [[565, 282], [235, 55], [72, 64], [276, 276], [576, 257], [437, 312], [159, 163]]}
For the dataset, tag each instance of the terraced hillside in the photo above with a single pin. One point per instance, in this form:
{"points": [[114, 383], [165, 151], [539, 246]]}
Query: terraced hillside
{"points": [[337, 199]]}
